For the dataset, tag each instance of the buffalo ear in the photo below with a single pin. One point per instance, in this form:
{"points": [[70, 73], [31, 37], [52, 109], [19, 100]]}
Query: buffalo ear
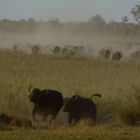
{"points": [[67, 99], [37, 91]]}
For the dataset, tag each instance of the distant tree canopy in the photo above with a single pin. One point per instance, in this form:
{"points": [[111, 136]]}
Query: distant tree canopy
{"points": [[136, 13], [97, 22], [97, 19], [95, 25], [125, 19]]}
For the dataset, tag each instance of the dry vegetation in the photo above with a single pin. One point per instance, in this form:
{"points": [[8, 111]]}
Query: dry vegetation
{"points": [[75, 133], [118, 82]]}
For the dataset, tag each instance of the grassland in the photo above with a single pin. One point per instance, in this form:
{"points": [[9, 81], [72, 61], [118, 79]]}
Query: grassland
{"points": [[118, 82], [76, 133]]}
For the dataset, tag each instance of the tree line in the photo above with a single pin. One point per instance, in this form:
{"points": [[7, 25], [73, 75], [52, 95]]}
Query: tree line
{"points": [[95, 25]]}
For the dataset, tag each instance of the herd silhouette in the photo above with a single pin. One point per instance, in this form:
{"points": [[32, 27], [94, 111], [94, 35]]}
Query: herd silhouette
{"points": [[68, 51], [106, 53]]}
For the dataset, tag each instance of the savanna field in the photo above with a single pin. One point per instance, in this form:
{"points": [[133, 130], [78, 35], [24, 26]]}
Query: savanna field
{"points": [[77, 55], [117, 81]]}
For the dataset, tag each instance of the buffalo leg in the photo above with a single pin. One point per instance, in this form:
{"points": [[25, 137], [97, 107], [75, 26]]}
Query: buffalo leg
{"points": [[35, 110], [53, 118], [70, 118], [76, 120], [93, 115], [33, 114]]}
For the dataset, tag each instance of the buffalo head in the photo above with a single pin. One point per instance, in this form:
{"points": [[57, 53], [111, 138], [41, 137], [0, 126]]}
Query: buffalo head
{"points": [[33, 94], [70, 102]]}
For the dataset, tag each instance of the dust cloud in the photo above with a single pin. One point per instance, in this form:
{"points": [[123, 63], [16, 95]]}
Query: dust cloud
{"points": [[48, 37]]}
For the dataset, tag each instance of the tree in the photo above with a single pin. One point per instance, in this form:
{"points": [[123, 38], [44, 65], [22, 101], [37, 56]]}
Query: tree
{"points": [[31, 20], [136, 13], [97, 19], [125, 19], [54, 21], [31, 24], [96, 23]]}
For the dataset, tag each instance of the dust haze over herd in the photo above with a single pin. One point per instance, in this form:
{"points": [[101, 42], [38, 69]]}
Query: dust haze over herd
{"points": [[94, 33], [47, 37], [67, 34]]}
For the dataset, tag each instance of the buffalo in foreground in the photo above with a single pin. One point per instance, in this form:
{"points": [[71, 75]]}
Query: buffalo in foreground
{"points": [[80, 108], [46, 102]]}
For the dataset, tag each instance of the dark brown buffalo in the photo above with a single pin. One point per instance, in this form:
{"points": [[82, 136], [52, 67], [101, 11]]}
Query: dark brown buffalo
{"points": [[135, 55], [56, 50], [67, 52], [80, 108], [4, 118], [46, 102], [105, 53], [35, 49], [117, 55]]}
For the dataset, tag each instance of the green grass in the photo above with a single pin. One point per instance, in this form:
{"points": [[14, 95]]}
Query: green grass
{"points": [[118, 82]]}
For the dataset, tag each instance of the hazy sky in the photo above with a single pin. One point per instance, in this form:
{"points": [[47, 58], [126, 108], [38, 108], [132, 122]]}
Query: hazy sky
{"points": [[66, 10]]}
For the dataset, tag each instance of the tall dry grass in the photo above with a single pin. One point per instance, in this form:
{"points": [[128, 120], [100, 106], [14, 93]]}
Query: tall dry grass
{"points": [[85, 76]]}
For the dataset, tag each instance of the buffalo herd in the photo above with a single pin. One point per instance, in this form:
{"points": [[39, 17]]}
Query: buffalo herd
{"points": [[49, 102], [106, 54], [68, 51]]}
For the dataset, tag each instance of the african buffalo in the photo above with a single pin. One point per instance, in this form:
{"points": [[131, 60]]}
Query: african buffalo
{"points": [[105, 53], [46, 102], [15, 47], [66, 52], [135, 55], [117, 55], [56, 50], [5, 118], [80, 107], [35, 49]]}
